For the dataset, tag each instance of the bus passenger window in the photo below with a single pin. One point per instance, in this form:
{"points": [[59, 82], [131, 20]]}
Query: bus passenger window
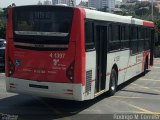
{"points": [[89, 35], [114, 40]]}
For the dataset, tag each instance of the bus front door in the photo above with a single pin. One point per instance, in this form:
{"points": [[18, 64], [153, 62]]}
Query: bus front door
{"points": [[101, 57]]}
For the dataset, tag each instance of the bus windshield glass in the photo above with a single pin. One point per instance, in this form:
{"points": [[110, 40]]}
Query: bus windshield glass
{"points": [[43, 21]]}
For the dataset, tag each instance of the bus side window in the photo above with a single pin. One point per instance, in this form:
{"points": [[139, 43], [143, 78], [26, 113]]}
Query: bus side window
{"points": [[89, 35], [134, 41], [124, 37], [147, 38], [140, 39], [114, 41]]}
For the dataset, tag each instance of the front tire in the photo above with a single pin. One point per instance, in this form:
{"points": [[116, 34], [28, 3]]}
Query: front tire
{"points": [[113, 82]]}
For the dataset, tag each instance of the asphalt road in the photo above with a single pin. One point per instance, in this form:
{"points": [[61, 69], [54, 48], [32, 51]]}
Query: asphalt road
{"points": [[140, 95]]}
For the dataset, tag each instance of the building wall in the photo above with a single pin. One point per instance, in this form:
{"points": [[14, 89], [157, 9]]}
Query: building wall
{"points": [[99, 4], [111, 4], [125, 1], [157, 3], [68, 2], [47, 2]]}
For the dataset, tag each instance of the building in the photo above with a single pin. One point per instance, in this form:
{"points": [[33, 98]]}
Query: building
{"points": [[157, 3], [39, 3], [118, 3], [111, 4], [47, 2], [83, 3], [93, 3], [67, 2], [100, 4], [124, 1], [1, 10], [130, 1]]}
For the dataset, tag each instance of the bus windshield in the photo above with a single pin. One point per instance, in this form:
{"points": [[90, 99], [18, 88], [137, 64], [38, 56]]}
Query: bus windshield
{"points": [[42, 25]]}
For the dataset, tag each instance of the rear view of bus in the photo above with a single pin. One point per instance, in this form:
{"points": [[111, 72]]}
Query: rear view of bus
{"points": [[45, 52]]}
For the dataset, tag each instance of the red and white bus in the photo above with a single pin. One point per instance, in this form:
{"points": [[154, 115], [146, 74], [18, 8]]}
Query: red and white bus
{"points": [[74, 53]]}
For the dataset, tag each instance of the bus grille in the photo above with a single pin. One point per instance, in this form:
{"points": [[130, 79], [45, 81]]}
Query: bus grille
{"points": [[88, 80]]}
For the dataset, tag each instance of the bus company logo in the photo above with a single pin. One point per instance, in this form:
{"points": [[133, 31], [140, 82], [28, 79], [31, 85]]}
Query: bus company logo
{"points": [[55, 61]]}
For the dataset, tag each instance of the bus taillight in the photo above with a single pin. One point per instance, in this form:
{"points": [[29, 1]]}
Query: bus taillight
{"points": [[70, 72], [11, 68]]}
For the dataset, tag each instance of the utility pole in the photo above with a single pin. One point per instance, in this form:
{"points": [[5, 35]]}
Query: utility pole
{"points": [[72, 2], [152, 11]]}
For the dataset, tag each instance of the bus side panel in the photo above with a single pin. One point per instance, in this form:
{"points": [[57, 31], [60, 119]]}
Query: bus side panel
{"points": [[122, 59], [131, 68], [110, 63], [91, 74], [134, 66], [78, 35], [9, 40]]}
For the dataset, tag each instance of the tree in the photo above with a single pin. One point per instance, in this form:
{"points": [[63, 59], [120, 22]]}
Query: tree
{"points": [[3, 23], [140, 10], [157, 28], [2, 29]]}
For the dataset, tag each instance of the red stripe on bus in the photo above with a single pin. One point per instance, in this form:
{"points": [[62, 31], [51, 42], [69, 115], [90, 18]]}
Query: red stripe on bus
{"points": [[125, 68], [148, 23], [9, 43], [78, 36]]}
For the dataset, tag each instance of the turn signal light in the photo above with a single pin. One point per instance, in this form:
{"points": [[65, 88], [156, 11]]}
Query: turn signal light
{"points": [[70, 72], [11, 68]]}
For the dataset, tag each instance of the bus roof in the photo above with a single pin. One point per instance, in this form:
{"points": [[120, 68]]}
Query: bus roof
{"points": [[97, 15], [148, 23], [137, 21]]}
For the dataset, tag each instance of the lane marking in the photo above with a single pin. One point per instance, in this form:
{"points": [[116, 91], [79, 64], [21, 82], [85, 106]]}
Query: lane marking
{"points": [[154, 113], [140, 108], [128, 97], [156, 63], [129, 112], [156, 67], [137, 107], [140, 86], [125, 97], [148, 79], [146, 87]]}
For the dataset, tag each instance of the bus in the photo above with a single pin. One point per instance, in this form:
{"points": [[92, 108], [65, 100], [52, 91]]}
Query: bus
{"points": [[74, 53]]}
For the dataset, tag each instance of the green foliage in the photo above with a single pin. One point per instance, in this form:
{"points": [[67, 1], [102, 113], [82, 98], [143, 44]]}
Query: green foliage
{"points": [[157, 22], [141, 10], [3, 23], [2, 29]]}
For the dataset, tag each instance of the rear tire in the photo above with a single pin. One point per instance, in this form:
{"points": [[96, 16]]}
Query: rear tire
{"points": [[113, 82]]}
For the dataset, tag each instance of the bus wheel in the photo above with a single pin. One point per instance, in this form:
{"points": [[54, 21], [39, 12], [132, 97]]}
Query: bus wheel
{"points": [[113, 82]]}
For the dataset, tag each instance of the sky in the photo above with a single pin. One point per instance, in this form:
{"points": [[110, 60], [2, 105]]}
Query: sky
{"points": [[5, 3]]}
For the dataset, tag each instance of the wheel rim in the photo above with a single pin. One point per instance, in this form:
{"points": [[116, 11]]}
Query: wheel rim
{"points": [[113, 82]]}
